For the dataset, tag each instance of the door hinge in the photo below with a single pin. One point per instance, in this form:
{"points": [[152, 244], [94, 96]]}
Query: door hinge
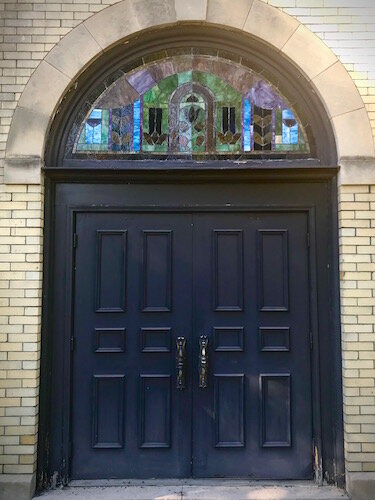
{"points": [[75, 240], [72, 343], [308, 240]]}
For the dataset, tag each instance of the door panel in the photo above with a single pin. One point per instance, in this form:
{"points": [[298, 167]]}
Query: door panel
{"points": [[228, 270], [275, 410], [111, 279], [229, 413], [108, 411], [157, 271], [273, 272], [254, 418], [155, 411], [132, 300]]}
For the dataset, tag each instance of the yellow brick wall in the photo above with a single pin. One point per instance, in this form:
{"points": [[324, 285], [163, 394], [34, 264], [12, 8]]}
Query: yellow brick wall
{"points": [[21, 209], [28, 30], [357, 283]]}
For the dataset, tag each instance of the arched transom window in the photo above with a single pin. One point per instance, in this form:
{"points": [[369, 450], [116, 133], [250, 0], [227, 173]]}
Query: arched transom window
{"points": [[188, 105]]}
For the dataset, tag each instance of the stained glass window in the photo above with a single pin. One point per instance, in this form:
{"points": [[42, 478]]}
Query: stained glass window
{"points": [[190, 105]]}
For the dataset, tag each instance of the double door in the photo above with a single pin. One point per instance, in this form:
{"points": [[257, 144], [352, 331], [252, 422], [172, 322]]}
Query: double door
{"points": [[191, 345]]}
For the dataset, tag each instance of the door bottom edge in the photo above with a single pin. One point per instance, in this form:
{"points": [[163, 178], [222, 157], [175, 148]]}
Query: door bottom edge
{"points": [[87, 483]]}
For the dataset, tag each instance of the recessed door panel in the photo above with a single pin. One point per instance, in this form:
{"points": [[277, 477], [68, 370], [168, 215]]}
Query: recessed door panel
{"points": [[228, 339], [275, 410], [155, 411], [108, 411], [157, 270], [228, 270], [229, 411], [273, 270], [110, 340], [111, 271], [156, 339], [274, 338]]}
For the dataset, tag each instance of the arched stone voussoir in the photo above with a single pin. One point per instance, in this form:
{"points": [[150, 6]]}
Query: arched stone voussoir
{"points": [[74, 52], [347, 112], [227, 14], [335, 87], [308, 52], [270, 24], [192, 10], [113, 24], [128, 17]]}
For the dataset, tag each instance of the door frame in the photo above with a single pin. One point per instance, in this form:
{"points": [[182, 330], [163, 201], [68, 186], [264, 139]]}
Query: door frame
{"points": [[326, 441]]}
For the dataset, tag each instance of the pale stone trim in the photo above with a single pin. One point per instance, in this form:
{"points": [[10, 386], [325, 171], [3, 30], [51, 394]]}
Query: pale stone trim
{"points": [[356, 171], [308, 52], [53, 76], [335, 87], [127, 17], [17, 486], [265, 22], [353, 134], [191, 10], [361, 485], [23, 170], [222, 12], [72, 54]]}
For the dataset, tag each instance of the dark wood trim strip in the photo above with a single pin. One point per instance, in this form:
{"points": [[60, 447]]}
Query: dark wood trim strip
{"points": [[184, 174]]}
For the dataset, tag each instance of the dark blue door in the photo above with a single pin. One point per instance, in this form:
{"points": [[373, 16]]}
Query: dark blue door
{"points": [[133, 299], [253, 419], [237, 402]]}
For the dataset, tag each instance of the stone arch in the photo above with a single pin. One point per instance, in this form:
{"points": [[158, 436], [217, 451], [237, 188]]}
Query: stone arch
{"points": [[283, 33]]}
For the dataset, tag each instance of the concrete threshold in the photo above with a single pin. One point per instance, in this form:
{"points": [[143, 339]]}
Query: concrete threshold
{"points": [[194, 489]]}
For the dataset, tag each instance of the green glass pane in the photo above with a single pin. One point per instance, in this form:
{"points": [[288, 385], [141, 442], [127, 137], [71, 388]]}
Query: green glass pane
{"points": [[105, 126], [185, 77], [278, 122]]}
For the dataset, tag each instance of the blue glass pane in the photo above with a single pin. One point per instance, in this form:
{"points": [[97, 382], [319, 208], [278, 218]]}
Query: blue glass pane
{"points": [[137, 125], [290, 128], [97, 138], [294, 135], [247, 125], [96, 113], [89, 136]]}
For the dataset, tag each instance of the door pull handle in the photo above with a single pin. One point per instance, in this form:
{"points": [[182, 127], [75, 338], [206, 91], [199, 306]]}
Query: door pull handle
{"points": [[203, 361], [180, 363]]}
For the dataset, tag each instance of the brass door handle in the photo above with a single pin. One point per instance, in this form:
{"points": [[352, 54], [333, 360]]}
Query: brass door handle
{"points": [[203, 361], [180, 363]]}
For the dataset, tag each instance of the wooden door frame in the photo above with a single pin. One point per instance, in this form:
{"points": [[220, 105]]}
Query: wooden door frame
{"points": [[267, 169], [333, 470]]}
